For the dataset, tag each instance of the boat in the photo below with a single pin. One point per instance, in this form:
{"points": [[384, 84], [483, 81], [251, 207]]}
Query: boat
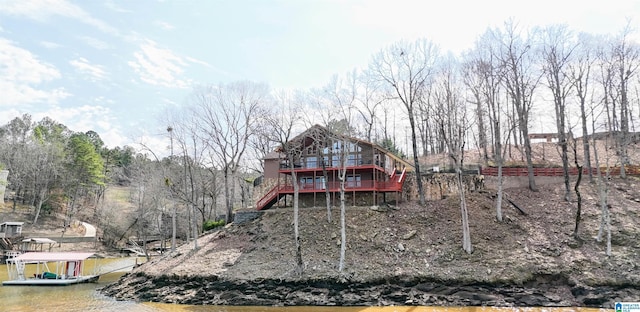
{"points": [[52, 269]]}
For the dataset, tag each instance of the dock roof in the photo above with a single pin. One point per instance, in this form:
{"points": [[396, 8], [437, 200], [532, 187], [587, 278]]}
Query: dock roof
{"points": [[53, 256]]}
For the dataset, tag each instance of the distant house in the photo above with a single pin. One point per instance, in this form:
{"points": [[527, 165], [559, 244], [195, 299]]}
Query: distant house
{"points": [[372, 171], [11, 229], [543, 137]]}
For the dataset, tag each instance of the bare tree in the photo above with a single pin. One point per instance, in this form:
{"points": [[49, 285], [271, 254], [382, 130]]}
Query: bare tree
{"points": [[580, 73], [453, 124], [557, 48], [368, 102], [226, 117], [626, 61], [405, 69], [576, 187], [520, 80], [342, 94], [47, 166], [282, 122], [603, 194], [474, 79], [482, 73]]}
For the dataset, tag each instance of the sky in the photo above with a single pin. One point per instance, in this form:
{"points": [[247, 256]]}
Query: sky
{"points": [[116, 67]]}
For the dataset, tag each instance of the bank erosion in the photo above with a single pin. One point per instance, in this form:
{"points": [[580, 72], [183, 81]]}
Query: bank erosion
{"points": [[411, 255]]}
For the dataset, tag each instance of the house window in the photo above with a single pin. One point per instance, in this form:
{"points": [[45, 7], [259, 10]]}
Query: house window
{"points": [[335, 161], [312, 162], [352, 159], [306, 183], [312, 149], [320, 183], [354, 180]]}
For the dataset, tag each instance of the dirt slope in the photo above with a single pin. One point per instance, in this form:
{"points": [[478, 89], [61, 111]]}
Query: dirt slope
{"points": [[409, 245]]}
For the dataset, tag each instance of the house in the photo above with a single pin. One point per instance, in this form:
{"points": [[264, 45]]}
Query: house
{"points": [[11, 229], [543, 137], [372, 172], [8, 231]]}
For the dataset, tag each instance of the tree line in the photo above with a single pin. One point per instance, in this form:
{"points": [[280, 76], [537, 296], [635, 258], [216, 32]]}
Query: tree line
{"points": [[441, 103]]}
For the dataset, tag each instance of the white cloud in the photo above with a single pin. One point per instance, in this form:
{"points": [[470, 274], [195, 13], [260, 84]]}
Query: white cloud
{"points": [[82, 65], [50, 45], [164, 25], [20, 74], [116, 8], [97, 117], [158, 66], [42, 10], [96, 43]]}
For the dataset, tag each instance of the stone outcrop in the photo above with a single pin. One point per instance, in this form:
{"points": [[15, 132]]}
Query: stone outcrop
{"points": [[540, 291]]}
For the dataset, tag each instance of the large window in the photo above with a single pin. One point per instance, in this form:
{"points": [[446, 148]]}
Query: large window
{"points": [[312, 162], [352, 159], [306, 183], [354, 180]]}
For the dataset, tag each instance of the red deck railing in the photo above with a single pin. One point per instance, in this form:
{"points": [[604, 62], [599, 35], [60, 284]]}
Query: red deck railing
{"points": [[555, 171], [393, 185]]}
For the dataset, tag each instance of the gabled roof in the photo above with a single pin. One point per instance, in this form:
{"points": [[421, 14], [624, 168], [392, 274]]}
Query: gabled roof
{"points": [[38, 240]]}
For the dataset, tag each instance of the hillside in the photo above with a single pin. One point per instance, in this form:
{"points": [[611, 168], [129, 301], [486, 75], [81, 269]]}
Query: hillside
{"points": [[411, 255]]}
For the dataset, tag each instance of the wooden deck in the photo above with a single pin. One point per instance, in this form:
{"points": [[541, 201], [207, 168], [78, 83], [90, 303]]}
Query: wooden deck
{"points": [[394, 184]]}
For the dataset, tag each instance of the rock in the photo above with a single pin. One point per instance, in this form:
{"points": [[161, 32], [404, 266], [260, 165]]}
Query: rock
{"points": [[363, 237], [409, 235], [400, 247], [484, 297]]}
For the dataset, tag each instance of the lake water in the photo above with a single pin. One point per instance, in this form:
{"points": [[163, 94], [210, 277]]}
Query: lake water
{"points": [[84, 297]]}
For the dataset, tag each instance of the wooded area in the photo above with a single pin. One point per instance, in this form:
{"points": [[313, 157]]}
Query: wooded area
{"points": [[410, 94]]}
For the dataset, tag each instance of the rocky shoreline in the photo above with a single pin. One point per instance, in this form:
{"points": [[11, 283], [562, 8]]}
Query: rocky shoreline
{"points": [[542, 291]]}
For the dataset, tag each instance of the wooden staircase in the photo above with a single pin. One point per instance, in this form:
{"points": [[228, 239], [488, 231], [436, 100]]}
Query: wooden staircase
{"points": [[269, 199], [398, 179], [6, 244]]}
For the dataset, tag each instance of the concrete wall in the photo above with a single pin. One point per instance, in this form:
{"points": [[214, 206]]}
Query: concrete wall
{"points": [[246, 216], [519, 182]]}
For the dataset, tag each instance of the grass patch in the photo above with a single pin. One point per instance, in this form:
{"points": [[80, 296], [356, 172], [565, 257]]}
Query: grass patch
{"points": [[118, 194]]}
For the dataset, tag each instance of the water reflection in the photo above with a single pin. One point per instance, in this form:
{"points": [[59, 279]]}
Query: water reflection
{"points": [[84, 297]]}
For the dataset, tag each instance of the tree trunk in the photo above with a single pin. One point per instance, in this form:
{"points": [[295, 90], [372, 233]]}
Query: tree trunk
{"points": [[343, 228], [39, 206], [327, 193], [415, 158], [227, 196], [466, 234], [579, 198], [527, 149], [585, 140], [499, 195], [296, 227]]}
